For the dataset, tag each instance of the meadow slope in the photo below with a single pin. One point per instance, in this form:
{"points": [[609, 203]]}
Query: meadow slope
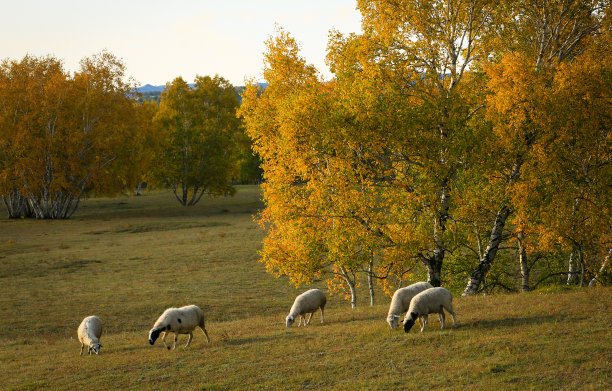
{"points": [[126, 259]]}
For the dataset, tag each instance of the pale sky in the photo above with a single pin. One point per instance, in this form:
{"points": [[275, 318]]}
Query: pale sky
{"points": [[160, 40]]}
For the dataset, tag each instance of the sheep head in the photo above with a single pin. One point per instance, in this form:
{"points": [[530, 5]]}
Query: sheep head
{"points": [[95, 348], [153, 335], [289, 320], [392, 320], [409, 321]]}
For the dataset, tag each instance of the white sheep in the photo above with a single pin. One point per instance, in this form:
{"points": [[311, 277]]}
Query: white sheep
{"points": [[430, 301], [401, 301], [89, 333], [307, 302], [179, 321]]}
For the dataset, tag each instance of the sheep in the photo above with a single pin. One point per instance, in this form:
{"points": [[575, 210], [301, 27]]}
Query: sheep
{"points": [[89, 333], [401, 301], [307, 302], [430, 301], [179, 321]]}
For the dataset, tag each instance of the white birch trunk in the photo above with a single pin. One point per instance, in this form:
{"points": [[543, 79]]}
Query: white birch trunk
{"points": [[371, 281], [571, 270], [479, 274], [351, 284], [523, 263], [593, 281]]}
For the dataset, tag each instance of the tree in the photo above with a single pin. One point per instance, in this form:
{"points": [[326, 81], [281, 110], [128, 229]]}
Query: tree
{"points": [[145, 145], [373, 153], [63, 135], [424, 148], [199, 126], [543, 36], [422, 51], [248, 162]]}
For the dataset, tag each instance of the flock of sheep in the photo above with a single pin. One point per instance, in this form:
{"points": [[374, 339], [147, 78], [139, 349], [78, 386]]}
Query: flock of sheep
{"points": [[417, 301]]}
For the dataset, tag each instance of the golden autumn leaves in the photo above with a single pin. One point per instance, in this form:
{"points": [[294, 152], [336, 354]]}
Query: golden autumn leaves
{"points": [[64, 135], [445, 128]]}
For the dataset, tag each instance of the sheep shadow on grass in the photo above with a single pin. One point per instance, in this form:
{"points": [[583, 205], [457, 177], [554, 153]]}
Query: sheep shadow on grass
{"points": [[255, 339], [509, 322]]}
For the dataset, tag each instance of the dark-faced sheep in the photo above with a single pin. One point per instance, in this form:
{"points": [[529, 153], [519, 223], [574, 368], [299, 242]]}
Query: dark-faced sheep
{"points": [[430, 301], [401, 301], [178, 321]]}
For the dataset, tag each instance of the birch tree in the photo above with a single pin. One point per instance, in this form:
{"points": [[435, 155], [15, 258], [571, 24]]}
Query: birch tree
{"points": [[199, 126], [541, 36], [63, 134]]}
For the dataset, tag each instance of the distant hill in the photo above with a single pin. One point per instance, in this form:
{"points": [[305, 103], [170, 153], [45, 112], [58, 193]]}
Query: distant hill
{"points": [[151, 92], [150, 88]]}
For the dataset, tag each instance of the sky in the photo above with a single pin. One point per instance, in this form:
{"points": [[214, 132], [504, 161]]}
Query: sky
{"points": [[161, 40]]}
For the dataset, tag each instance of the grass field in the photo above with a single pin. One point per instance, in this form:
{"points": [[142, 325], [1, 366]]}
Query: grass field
{"points": [[126, 259]]}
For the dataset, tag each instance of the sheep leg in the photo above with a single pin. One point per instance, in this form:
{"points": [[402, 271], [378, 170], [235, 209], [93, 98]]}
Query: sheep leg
{"points": [[205, 333], [452, 312], [164, 340], [321, 314], [424, 322], [310, 317], [82, 346], [302, 318], [175, 339], [441, 316], [189, 339]]}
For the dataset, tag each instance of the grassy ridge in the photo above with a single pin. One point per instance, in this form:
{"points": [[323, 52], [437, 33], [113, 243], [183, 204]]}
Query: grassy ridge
{"points": [[127, 259]]}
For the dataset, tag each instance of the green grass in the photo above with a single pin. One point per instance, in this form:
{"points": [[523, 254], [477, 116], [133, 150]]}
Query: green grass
{"points": [[127, 259]]}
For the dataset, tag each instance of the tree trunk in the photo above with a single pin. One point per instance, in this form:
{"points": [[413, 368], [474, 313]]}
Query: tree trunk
{"points": [[434, 262], [140, 188], [371, 281], [488, 256], [571, 270], [581, 262], [593, 282], [434, 267], [16, 205], [351, 284], [523, 262], [56, 206]]}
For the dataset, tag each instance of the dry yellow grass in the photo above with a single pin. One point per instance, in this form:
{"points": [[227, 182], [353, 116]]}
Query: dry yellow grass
{"points": [[126, 259]]}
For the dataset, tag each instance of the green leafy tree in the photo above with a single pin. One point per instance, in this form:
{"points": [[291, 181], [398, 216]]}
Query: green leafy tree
{"points": [[199, 127]]}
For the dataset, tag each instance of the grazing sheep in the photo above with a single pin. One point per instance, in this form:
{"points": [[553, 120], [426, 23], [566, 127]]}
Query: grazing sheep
{"points": [[430, 301], [89, 333], [401, 301], [179, 321], [307, 302]]}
